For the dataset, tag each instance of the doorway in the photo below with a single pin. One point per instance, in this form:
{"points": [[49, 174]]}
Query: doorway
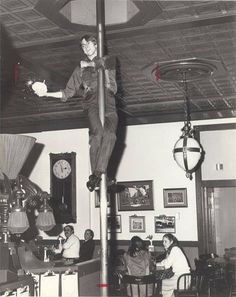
{"points": [[220, 208], [216, 191], [224, 207]]}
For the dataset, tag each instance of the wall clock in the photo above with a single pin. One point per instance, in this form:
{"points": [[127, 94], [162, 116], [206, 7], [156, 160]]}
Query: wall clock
{"points": [[63, 187]]}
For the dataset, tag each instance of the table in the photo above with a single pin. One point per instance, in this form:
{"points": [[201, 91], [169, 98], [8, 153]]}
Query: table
{"points": [[21, 282]]}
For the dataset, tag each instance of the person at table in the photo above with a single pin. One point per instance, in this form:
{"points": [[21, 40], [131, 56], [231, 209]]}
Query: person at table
{"points": [[71, 246], [138, 262], [175, 259], [87, 247], [137, 258]]}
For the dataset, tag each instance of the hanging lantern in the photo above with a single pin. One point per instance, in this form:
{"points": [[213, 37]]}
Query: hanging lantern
{"points": [[18, 220], [45, 220], [187, 151]]}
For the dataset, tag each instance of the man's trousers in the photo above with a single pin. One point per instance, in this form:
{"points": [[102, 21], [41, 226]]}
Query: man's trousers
{"points": [[102, 138]]}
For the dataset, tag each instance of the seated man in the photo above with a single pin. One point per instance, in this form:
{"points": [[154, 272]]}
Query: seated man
{"points": [[87, 247], [71, 246]]}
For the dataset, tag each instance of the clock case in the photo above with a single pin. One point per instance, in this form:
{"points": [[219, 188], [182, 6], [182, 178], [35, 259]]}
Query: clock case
{"points": [[63, 191]]}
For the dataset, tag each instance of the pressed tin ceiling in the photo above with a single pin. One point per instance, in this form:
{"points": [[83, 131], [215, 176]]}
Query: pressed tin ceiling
{"points": [[41, 37]]}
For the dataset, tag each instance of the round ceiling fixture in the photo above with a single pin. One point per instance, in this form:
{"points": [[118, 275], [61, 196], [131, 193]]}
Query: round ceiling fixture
{"points": [[194, 68]]}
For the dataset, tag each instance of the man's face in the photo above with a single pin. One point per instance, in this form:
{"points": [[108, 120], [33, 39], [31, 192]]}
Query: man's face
{"points": [[68, 232], [87, 235], [89, 48]]}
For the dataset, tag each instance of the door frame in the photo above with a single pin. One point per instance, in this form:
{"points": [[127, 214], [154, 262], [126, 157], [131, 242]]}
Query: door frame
{"points": [[205, 239]]}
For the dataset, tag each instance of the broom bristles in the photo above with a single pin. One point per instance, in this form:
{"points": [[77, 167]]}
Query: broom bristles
{"points": [[14, 149]]}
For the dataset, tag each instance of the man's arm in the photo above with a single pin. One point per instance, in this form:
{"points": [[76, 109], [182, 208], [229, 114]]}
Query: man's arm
{"points": [[71, 89], [110, 73], [54, 94], [110, 77]]}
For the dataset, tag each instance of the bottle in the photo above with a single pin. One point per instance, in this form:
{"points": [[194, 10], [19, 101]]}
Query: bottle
{"points": [[151, 248], [60, 240], [45, 255]]}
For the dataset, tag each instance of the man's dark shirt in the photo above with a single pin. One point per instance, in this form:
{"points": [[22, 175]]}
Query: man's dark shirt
{"points": [[86, 78], [86, 250]]}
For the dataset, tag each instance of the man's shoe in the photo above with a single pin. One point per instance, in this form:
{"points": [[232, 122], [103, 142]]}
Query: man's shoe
{"points": [[111, 185], [93, 182]]}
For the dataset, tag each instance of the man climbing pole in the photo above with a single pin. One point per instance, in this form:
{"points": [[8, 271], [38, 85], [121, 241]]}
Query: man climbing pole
{"points": [[101, 138]]}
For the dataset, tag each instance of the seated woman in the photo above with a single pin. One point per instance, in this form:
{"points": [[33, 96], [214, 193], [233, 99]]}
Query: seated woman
{"points": [[176, 259], [138, 261]]}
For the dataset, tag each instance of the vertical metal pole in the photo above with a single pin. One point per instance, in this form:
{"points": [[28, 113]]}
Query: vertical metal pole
{"points": [[103, 192]]}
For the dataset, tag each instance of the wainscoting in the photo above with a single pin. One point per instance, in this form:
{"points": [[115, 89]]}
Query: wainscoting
{"points": [[190, 248]]}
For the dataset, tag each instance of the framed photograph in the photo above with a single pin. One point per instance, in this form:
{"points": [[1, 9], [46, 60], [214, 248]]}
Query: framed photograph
{"points": [[136, 224], [175, 197], [164, 224], [114, 224], [135, 195], [97, 199]]}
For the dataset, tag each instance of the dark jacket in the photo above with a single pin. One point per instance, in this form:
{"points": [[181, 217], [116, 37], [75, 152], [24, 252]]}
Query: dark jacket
{"points": [[86, 250], [86, 79]]}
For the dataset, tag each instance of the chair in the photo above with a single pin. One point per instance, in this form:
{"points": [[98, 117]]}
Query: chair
{"points": [[141, 286], [202, 271], [188, 285], [214, 274], [232, 291]]}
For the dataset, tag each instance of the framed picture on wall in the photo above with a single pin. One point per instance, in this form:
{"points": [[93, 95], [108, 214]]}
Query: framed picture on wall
{"points": [[164, 224], [97, 199], [175, 197], [136, 224], [114, 223], [135, 195]]}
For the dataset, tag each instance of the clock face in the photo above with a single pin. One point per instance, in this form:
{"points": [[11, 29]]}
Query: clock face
{"points": [[61, 169]]}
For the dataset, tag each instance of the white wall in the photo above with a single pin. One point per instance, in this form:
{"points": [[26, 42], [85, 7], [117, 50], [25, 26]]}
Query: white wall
{"points": [[147, 156], [221, 154], [62, 142]]}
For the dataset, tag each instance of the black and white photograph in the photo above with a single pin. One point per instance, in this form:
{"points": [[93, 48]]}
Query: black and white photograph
{"points": [[137, 224], [175, 197], [164, 224], [135, 195], [97, 199]]}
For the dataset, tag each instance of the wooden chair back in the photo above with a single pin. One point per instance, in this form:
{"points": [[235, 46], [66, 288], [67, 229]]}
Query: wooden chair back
{"points": [[188, 284], [140, 286]]}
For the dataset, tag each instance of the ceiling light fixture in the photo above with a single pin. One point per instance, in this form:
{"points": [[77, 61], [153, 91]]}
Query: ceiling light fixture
{"points": [[18, 220], [45, 220], [15, 189], [187, 151]]}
